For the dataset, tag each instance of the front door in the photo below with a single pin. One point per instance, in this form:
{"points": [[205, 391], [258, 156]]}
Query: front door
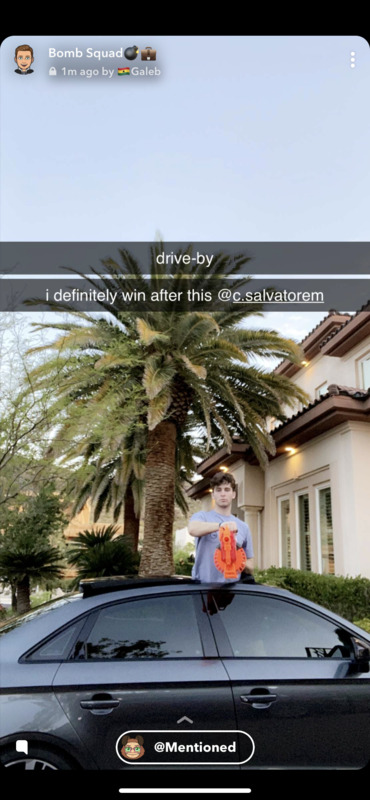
{"points": [[294, 691]]}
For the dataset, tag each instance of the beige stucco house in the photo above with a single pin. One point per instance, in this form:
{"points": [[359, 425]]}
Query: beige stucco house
{"points": [[310, 509]]}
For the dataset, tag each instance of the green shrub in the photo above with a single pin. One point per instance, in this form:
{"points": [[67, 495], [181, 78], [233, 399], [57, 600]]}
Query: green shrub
{"points": [[363, 623], [184, 560], [349, 597]]}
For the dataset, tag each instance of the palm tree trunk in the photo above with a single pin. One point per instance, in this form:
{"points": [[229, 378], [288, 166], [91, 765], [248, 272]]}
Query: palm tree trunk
{"points": [[131, 522], [157, 552], [23, 595]]}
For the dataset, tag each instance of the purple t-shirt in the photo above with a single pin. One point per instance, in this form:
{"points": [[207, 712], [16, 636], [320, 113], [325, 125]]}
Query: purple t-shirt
{"points": [[204, 568]]}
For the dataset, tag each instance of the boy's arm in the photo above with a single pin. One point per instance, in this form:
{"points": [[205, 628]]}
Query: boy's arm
{"points": [[197, 528]]}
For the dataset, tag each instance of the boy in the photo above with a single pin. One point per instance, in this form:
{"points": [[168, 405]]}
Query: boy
{"points": [[204, 525]]}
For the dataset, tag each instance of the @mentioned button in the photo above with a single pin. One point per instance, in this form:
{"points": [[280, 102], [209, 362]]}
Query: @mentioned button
{"points": [[163, 747]]}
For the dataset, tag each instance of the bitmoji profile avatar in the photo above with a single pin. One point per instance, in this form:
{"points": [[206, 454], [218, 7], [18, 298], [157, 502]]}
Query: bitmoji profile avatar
{"points": [[24, 58]]}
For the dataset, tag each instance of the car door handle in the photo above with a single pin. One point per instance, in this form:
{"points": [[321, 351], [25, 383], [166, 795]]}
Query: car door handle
{"points": [[261, 699], [107, 703]]}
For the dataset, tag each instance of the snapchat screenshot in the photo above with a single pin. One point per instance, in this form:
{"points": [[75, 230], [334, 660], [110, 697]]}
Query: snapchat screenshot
{"points": [[184, 414]]}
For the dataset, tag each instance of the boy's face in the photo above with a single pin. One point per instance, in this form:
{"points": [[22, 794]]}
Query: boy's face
{"points": [[23, 59], [224, 494]]}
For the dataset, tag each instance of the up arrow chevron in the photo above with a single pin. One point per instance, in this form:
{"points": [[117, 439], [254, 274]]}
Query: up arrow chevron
{"points": [[184, 719]]}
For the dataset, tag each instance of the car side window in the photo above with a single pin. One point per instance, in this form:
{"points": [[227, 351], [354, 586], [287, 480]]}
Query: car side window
{"points": [[57, 647], [150, 628], [267, 627]]}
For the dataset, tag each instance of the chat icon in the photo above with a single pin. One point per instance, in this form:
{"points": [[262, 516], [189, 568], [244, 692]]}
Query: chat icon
{"points": [[21, 746]]}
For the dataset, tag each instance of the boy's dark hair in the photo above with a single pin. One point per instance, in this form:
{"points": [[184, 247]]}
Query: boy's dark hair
{"points": [[223, 477]]}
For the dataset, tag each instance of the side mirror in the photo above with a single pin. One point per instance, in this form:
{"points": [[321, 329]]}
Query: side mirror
{"points": [[360, 655]]}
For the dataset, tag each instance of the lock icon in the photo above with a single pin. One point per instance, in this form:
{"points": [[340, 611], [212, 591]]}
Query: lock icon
{"points": [[52, 71], [148, 54]]}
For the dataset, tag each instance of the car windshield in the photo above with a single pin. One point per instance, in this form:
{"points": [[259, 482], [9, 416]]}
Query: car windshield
{"points": [[44, 608]]}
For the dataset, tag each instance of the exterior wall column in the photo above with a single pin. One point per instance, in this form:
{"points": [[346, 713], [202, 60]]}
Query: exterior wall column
{"points": [[252, 517]]}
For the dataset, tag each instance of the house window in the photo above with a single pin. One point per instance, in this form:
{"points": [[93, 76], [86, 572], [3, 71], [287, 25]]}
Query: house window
{"points": [[304, 532], [284, 519], [365, 372], [326, 531], [321, 390]]}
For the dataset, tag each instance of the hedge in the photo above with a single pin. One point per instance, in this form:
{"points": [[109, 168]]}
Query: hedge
{"points": [[349, 597], [184, 560], [363, 623]]}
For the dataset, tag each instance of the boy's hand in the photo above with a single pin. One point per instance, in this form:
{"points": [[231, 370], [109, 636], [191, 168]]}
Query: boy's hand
{"points": [[232, 526]]}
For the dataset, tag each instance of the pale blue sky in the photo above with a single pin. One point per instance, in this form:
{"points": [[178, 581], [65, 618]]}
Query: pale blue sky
{"points": [[240, 139]]}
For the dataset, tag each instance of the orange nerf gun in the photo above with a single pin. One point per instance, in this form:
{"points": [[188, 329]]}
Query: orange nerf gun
{"points": [[228, 558]]}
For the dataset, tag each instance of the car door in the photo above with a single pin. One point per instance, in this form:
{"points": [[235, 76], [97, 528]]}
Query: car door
{"points": [[143, 664], [293, 682]]}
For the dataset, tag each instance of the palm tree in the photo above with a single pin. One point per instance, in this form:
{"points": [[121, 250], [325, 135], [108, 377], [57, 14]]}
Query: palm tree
{"points": [[101, 424], [99, 481], [188, 368], [202, 369], [112, 478], [113, 482], [28, 557], [100, 553]]}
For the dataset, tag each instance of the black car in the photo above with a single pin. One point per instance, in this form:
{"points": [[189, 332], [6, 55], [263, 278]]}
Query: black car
{"points": [[237, 676]]}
